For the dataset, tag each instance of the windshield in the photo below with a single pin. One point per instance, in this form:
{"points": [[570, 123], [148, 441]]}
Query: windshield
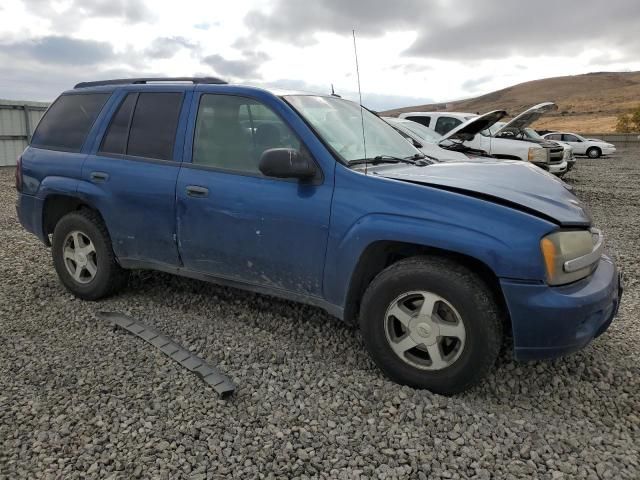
{"points": [[424, 133], [339, 124], [527, 132], [531, 133]]}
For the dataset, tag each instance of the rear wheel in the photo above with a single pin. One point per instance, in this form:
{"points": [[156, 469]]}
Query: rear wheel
{"points": [[594, 152], [83, 257], [431, 323]]}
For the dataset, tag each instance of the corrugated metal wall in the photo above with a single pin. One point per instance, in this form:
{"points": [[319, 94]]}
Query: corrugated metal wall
{"points": [[18, 121]]}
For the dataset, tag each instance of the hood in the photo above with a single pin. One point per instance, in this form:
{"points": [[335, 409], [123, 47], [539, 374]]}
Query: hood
{"points": [[516, 184], [529, 116], [467, 130]]}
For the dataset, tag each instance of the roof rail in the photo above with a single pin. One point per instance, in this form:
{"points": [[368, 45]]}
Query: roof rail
{"points": [[129, 81]]}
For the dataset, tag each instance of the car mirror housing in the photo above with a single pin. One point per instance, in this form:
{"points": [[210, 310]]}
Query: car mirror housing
{"points": [[287, 163]]}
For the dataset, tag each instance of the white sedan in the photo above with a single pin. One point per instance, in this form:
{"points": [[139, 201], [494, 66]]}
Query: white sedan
{"points": [[591, 147]]}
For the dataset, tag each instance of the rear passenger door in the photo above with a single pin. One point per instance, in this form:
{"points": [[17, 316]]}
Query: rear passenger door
{"points": [[579, 147], [235, 223], [130, 175]]}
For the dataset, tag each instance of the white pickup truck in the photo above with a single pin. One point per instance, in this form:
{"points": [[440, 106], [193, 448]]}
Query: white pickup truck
{"points": [[508, 142]]}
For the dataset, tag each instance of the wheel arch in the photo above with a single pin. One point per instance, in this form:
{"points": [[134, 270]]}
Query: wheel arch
{"points": [[57, 205], [380, 254]]}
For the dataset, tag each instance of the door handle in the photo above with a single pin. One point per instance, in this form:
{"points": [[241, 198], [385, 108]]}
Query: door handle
{"points": [[99, 176], [196, 191]]}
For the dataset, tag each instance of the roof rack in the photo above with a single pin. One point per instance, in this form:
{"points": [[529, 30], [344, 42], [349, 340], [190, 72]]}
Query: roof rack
{"points": [[129, 81]]}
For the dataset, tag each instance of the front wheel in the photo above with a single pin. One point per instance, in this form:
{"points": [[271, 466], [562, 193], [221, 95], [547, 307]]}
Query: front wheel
{"points": [[83, 257], [594, 152], [429, 322]]}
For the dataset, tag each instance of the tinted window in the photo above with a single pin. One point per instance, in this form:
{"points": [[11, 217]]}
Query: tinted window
{"points": [[421, 120], [115, 141], [232, 132], [569, 138], [68, 120], [154, 123], [444, 124], [555, 136]]}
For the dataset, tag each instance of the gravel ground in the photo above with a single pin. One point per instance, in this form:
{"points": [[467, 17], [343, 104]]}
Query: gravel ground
{"points": [[78, 400]]}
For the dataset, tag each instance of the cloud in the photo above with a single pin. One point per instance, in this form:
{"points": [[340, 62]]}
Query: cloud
{"points": [[60, 50], [167, 47], [293, 20], [454, 30], [498, 29], [69, 18], [245, 69], [473, 83]]}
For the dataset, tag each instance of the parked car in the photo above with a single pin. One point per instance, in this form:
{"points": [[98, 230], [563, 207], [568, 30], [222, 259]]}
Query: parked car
{"points": [[557, 168], [591, 147], [426, 140], [441, 122], [433, 261], [545, 154]]}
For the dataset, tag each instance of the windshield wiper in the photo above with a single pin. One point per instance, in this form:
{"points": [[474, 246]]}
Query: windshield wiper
{"points": [[416, 159], [460, 147]]}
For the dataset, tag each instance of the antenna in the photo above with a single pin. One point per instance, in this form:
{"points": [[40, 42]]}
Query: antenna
{"points": [[364, 138]]}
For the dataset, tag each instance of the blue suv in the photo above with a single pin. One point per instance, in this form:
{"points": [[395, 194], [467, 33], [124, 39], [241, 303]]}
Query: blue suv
{"points": [[315, 199]]}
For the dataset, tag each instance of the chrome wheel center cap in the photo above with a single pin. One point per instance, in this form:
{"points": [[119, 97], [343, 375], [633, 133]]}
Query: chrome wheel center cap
{"points": [[81, 258], [423, 329]]}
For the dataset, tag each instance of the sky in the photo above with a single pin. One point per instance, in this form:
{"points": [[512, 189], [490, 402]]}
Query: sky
{"points": [[410, 52]]}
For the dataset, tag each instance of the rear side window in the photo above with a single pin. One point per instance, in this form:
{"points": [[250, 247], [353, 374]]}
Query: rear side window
{"points": [[68, 121], [115, 141], [420, 119], [154, 124], [569, 138], [445, 124]]}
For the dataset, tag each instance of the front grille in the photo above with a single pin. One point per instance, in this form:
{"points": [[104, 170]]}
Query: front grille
{"points": [[556, 154]]}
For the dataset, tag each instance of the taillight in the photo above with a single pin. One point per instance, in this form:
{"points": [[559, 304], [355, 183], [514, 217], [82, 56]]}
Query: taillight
{"points": [[19, 174]]}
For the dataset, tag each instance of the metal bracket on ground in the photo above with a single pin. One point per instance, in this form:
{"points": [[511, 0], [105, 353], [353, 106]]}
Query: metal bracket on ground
{"points": [[220, 383]]}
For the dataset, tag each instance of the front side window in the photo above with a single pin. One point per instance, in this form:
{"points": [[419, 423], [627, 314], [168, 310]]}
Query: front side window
{"points": [[232, 133], [340, 123], [554, 136], [445, 124], [68, 121], [422, 120], [570, 138]]}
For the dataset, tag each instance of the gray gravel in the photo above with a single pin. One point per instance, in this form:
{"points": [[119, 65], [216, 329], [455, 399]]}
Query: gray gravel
{"points": [[79, 400]]}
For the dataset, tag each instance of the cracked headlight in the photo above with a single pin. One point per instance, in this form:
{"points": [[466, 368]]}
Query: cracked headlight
{"points": [[570, 255]]}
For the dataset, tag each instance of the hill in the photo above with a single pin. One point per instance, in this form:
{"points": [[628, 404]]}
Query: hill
{"points": [[586, 103]]}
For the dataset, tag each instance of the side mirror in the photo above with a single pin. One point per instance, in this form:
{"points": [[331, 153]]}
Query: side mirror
{"points": [[286, 163]]}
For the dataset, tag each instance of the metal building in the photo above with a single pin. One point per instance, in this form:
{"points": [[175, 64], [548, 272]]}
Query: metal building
{"points": [[18, 120]]}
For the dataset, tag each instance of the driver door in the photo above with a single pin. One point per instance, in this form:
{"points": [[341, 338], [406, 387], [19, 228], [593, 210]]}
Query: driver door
{"points": [[236, 223]]}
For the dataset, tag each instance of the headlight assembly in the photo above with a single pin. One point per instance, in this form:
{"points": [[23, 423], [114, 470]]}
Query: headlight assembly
{"points": [[538, 155], [570, 255]]}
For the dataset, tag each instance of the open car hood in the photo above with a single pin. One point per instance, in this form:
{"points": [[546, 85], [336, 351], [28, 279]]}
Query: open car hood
{"points": [[467, 130], [529, 116], [516, 184]]}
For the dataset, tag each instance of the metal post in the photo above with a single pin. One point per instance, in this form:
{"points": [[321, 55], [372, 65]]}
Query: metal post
{"points": [[27, 122]]}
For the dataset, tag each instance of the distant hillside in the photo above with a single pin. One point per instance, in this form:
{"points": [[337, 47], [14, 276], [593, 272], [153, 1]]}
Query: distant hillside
{"points": [[586, 103]]}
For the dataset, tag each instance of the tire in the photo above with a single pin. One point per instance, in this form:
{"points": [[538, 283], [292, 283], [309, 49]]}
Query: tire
{"points": [[461, 292], [594, 152], [108, 276]]}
